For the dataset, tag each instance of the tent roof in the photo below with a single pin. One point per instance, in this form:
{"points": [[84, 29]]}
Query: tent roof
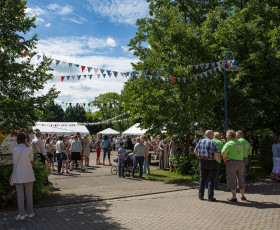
{"points": [[61, 128], [108, 132], [135, 130]]}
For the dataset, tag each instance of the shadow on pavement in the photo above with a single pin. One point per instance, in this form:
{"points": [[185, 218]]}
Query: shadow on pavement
{"points": [[264, 187], [253, 204], [79, 216]]}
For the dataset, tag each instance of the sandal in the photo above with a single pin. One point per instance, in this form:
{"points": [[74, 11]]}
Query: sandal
{"points": [[232, 199], [243, 198]]}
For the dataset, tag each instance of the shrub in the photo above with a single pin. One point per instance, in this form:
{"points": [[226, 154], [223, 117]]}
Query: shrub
{"points": [[265, 158], [185, 164], [8, 193]]}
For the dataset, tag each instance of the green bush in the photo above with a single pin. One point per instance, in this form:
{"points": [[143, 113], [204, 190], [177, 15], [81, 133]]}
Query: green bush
{"points": [[185, 164], [265, 158], [8, 193]]}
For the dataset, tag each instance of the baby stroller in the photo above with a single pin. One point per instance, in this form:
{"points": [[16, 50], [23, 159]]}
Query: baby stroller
{"points": [[127, 166]]}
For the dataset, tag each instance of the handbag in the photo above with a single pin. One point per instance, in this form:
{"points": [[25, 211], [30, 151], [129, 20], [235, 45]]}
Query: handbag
{"points": [[109, 146], [15, 166]]}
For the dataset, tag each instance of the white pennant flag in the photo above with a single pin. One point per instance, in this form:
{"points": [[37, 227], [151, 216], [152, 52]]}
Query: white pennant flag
{"points": [[219, 67], [95, 70], [98, 75], [38, 57], [151, 77], [73, 77], [205, 73], [64, 63]]}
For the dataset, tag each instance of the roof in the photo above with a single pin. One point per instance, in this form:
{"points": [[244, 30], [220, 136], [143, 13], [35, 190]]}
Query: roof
{"points": [[61, 128], [135, 130], [108, 132]]}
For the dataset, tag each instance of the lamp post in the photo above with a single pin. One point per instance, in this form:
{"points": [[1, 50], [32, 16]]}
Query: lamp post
{"points": [[233, 67]]}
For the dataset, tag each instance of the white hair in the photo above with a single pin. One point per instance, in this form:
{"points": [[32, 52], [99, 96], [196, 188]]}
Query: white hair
{"points": [[208, 132], [216, 135]]}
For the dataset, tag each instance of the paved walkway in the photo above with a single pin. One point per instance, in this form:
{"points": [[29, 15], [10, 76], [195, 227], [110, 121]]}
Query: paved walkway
{"points": [[98, 200]]}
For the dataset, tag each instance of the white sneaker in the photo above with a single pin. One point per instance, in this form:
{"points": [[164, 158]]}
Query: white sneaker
{"points": [[30, 216], [19, 217]]}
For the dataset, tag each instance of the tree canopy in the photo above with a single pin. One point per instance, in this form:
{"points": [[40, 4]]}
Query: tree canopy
{"points": [[174, 40], [20, 80]]}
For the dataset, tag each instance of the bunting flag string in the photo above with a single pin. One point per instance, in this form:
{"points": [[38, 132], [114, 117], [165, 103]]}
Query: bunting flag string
{"points": [[109, 104], [145, 74]]}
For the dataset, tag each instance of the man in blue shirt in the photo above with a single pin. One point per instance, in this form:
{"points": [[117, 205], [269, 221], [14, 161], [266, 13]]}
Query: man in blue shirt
{"points": [[121, 155], [207, 152]]}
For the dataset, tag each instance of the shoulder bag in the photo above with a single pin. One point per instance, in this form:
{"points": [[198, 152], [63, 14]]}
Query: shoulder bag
{"points": [[15, 166]]}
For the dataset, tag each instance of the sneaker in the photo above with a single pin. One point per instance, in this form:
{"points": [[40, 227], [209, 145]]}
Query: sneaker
{"points": [[201, 198], [19, 217], [30, 216]]}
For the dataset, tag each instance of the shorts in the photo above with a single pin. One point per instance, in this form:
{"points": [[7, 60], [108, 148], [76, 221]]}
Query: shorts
{"points": [[105, 150], [235, 169], [98, 152], [76, 156], [51, 157]]}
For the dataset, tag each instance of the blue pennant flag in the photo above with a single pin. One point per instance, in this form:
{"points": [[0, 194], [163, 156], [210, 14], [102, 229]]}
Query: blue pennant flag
{"points": [[57, 62], [104, 75], [145, 71], [168, 78], [210, 71], [168, 69], [116, 74], [79, 77], [85, 76], [133, 73], [76, 65], [156, 77], [215, 70], [102, 70], [70, 64], [200, 75], [156, 71], [90, 76], [201, 66], [213, 64], [108, 72], [89, 69], [144, 77], [68, 77]]}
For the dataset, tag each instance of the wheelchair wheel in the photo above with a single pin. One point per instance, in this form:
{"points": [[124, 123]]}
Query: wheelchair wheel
{"points": [[114, 170]]}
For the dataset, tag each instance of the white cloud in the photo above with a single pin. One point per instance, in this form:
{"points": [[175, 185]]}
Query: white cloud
{"points": [[122, 11], [75, 45], [40, 19], [48, 25], [63, 10], [73, 20], [35, 11], [83, 90]]}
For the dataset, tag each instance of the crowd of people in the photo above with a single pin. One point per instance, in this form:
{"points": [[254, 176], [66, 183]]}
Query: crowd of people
{"points": [[74, 151]]}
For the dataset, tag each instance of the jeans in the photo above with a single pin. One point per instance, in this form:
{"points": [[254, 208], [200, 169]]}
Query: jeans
{"points": [[146, 165], [140, 160], [105, 150], [121, 167], [59, 161], [245, 162], [216, 180], [208, 168]]}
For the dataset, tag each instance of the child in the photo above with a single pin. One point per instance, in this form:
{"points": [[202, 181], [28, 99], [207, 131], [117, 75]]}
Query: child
{"points": [[121, 155]]}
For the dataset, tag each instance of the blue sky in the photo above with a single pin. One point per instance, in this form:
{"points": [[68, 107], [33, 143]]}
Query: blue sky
{"points": [[93, 33]]}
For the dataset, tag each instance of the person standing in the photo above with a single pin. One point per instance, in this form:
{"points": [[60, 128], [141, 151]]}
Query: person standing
{"points": [[58, 153], [146, 157], [276, 159], [23, 176], [39, 149], [97, 147], [106, 150], [164, 154], [121, 160], [48, 150], [247, 149], [139, 154], [173, 147], [86, 149], [207, 152], [76, 153], [232, 154]]}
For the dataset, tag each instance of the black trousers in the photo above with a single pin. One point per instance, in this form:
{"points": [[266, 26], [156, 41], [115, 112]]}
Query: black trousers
{"points": [[208, 168]]}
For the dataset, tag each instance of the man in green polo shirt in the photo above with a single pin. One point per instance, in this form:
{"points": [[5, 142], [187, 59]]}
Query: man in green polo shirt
{"points": [[232, 154], [247, 149]]}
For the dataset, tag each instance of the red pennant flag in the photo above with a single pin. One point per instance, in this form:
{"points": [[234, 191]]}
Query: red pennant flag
{"points": [[174, 79], [151, 70], [62, 78], [77, 104], [83, 68], [25, 52], [228, 63]]}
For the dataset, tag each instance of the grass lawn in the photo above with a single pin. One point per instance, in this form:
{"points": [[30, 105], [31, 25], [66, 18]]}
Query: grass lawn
{"points": [[169, 177]]}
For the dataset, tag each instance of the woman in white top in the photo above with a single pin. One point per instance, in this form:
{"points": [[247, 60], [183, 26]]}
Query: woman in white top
{"points": [[23, 176], [86, 149]]}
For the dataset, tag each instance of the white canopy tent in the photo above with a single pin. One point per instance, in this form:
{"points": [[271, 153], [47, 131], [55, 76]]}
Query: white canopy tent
{"points": [[109, 131], [135, 130], [61, 128]]}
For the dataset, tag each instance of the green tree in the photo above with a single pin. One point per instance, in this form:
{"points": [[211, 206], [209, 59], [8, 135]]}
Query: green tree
{"points": [[53, 113], [75, 114], [19, 79]]}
